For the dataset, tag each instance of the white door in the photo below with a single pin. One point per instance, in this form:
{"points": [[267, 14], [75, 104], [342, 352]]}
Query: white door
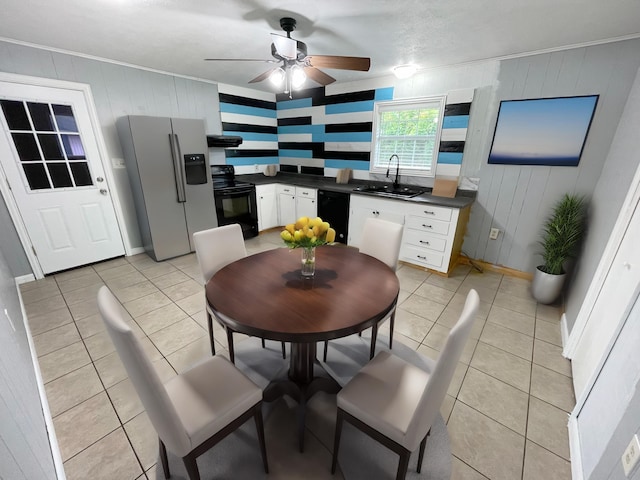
{"points": [[52, 163]]}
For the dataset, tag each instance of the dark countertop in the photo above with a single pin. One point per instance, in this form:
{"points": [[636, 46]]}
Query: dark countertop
{"points": [[462, 199]]}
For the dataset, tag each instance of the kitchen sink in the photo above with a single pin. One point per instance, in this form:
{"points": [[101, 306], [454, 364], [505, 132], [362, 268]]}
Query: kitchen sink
{"points": [[389, 191]]}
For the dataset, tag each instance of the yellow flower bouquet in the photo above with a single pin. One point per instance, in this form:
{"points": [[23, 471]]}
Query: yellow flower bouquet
{"points": [[308, 232]]}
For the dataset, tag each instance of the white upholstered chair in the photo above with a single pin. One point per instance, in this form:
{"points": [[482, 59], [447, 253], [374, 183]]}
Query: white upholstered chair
{"points": [[396, 402], [193, 411], [381, 239], [216, 248]]}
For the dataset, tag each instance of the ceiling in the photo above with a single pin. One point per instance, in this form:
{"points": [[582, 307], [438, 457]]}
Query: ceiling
{"points": [[176, 35]]}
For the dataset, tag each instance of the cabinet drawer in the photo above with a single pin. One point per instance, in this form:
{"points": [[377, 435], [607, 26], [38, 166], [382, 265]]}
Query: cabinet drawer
{"points": [[286, 189], [422, 256], [428, 225], [438, 213], [424, 240], [302, 192]]}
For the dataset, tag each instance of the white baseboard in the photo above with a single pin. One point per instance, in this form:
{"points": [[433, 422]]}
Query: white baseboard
{"points": [[46, 411], [137, 250], [564, 330], [574, 448], [25, 279]]}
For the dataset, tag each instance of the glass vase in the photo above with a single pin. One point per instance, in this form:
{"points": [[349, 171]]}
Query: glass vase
{"points": [[308, 261]]}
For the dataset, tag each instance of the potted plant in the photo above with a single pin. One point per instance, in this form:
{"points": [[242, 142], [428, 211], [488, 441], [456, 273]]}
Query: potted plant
{"points": [[561, 239]]}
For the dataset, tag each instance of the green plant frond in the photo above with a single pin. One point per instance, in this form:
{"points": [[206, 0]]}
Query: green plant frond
{"points": [[562, 232]]}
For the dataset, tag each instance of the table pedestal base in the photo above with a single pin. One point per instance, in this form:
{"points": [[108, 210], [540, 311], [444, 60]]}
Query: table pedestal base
{"points": [[301, 384]]}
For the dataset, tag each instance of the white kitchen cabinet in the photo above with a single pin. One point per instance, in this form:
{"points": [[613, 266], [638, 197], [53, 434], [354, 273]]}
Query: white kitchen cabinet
{"points": [[306, 205], [432, 236], [363, 207], [267, 206], [295, 202]]}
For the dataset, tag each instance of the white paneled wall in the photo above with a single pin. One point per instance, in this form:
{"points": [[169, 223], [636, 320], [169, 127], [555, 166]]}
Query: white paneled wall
{"points": [[117, 91], [517, 199]]}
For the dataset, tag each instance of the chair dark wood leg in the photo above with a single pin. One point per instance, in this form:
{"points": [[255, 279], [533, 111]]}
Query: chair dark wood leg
{"points": [[326, 348], [263, 344], [423, 444], [403, 465], [374, 338], [336, 441], [232, 356], [164, 460], [392, 321], [191, 466], [210, 326], [257, 415], [284, 352]]}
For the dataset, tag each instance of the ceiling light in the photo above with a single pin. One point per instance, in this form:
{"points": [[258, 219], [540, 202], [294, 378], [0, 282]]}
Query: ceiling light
{"points": [[277, 77], [404, 71], [297, 76]]}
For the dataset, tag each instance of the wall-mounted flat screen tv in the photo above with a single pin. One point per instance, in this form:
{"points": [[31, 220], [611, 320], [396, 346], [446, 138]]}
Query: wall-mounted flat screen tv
{"points": [[543, 131]]}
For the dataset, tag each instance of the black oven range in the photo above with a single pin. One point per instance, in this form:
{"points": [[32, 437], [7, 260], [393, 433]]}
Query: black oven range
{"points": [[235, 201]]}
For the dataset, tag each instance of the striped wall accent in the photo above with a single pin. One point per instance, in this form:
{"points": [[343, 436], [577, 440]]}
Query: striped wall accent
{"points": [[249, 114], [327, 131], [454, 133], [315, 130]]}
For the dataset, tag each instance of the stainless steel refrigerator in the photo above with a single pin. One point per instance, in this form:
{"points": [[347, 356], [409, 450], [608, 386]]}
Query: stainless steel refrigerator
{"points": [[167, 161]]}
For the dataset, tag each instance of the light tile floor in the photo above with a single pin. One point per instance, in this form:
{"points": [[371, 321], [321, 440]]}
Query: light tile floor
{"points": [[506, 408]]}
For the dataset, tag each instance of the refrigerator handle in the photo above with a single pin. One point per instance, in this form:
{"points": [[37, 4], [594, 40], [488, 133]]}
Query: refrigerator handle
{"points": [[177, 167]]}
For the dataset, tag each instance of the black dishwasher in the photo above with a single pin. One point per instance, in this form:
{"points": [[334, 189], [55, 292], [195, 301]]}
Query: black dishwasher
{"points": [[333, 207]]}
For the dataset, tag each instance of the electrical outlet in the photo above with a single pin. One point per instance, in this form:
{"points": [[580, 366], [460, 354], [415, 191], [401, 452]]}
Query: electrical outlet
{"points": [[493, 235], [631, 455]]}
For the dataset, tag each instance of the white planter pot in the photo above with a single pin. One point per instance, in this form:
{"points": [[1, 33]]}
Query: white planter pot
{"points": [[546, 287]]}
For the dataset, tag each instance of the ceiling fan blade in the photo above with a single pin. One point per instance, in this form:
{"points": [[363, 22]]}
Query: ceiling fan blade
{"points": [[263, 76], [343, 63], [318, 76], [239, 60], [285, 46]]}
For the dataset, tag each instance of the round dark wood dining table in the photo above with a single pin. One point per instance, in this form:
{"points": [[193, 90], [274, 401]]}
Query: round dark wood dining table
{"points": [[265, 295]]}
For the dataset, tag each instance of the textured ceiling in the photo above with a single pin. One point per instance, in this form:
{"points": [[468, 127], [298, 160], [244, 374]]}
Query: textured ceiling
{"points": [[176, 35]]}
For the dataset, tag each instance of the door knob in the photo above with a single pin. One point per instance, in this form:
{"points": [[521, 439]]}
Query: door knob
{"points": [[103, 191]]}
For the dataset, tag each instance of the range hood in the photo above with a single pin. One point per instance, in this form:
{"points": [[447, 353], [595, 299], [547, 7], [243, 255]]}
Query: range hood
{"points": [[223, 141]]}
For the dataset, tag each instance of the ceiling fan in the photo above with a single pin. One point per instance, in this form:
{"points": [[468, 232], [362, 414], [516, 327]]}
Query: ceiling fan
{"points": [[295, 65]]}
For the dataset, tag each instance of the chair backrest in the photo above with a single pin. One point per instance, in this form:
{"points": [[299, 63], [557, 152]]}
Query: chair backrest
{"points": [[381, 239], [434, 394], [218, 247], [146, 381]]}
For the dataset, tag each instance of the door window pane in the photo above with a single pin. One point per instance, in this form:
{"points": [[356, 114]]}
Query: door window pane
{"points": [[26, 146], [50, 146], [59, 174], [73, 147], [16, 115], [65, 119], [36, 176], [81, 174], [41, 117]]}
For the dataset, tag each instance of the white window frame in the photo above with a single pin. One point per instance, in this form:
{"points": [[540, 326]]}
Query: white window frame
{"points": [[381, 166]]}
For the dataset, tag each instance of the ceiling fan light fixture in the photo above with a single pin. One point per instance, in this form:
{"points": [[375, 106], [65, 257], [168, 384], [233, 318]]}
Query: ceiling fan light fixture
{"points": [[405, 71], [277, 77], [298, 76]]}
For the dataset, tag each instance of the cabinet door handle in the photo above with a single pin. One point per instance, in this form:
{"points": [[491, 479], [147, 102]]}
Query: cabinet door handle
{"points": [[305, 193], [425, 242], [421, 257], [426, 226], [429, 213]]}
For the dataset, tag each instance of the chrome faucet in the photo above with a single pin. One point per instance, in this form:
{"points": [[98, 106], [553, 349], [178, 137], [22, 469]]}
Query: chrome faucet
{"points": [[395, 182]]}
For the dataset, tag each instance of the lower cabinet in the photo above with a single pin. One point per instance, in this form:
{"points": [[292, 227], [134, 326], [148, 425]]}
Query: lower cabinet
{"points": [[432, 236], [267, 210], [295, 202]]}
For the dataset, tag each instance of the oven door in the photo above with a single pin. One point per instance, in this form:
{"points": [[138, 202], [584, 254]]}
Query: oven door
{"points": [[239, 206]]}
